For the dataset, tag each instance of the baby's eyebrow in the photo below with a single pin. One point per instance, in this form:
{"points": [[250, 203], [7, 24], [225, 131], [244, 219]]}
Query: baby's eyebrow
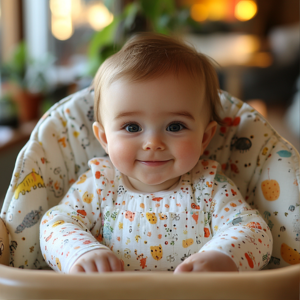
{"points": [[182, 113], [135, 113], [127, 113]]}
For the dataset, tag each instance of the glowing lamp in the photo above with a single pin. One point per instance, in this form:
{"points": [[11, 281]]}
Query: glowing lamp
{"points": [[99, 16], [245, 10], [199, 12], [62, 27]]}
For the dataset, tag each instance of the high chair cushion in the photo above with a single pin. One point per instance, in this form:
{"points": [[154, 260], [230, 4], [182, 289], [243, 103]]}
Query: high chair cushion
{"points": [[262, 164], [266, 169]]}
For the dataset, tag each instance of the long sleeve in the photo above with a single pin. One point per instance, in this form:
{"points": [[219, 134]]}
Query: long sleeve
{"points": [[204, 212], [73, 227], [237, 230]]}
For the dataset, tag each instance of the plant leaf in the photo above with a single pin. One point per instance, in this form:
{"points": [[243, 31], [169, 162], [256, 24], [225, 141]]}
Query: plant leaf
{"points": [[103, 37], [151, 9], [131, 11]]}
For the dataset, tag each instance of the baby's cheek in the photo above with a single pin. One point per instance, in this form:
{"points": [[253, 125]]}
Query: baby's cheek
{"points": [[188, 152], [188, 149], [121, 154]]}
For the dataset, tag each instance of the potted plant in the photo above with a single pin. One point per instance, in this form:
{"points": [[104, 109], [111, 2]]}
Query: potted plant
{"points": [[8, 111], [139, 15], [25, 80]]}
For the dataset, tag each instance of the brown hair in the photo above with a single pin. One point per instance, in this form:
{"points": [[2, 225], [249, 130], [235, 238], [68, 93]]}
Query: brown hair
{"points": [[148, 55]]}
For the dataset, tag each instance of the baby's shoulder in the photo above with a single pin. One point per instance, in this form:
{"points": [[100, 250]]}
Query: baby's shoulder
{"points": [[102, 167], [206, 168], [210, 171]]}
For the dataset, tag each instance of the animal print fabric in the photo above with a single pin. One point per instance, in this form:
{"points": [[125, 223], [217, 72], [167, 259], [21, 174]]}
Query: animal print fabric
{"points": [[248, 149], [266, 169], [154, 231], [56, 154]]}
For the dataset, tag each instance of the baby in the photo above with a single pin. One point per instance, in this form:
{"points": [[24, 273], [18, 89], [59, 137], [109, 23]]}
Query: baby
{"points": [[153, 205]]}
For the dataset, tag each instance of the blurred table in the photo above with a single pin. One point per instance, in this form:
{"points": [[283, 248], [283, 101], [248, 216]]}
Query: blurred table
{"points": [[230, 49], [233, 52], [9, 137]]}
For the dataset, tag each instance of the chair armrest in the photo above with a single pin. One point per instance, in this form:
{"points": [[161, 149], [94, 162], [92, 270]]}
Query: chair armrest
{"points": [[4, 244], [31, 284]]}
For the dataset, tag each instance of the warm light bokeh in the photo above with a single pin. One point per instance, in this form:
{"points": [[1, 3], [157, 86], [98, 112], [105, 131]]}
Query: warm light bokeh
{"points": [[245, 10], [199, 12], [214, 10], [69, 13], [245, 46], [217, 10], [61, 8], [61, 20], [77, 11], [99, 16], [221, 10], [61, 27]]}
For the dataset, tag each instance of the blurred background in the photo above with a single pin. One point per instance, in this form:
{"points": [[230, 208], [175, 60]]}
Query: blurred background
{"points": [[52, 48]]}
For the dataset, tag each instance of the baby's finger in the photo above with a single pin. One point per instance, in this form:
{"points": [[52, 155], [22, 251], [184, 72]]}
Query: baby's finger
{"points": [[103, 265], [77, 269], [115, 264], [89, 266], [184, 267]]}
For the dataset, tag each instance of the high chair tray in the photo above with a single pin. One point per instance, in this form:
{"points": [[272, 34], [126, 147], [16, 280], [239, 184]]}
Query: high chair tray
{"points": [[259, 285]]}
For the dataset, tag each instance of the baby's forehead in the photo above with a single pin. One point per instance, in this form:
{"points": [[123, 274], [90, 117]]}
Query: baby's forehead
{"points": [[177, 78], [179, 87], [160, 96], [166, 83]]}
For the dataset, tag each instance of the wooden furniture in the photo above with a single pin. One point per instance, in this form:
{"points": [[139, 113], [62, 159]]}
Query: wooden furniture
{"points": [[10, 137]]}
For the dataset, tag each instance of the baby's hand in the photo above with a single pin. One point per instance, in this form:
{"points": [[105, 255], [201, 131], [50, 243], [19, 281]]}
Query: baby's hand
{"points": [[210, 261], [99, 260]]}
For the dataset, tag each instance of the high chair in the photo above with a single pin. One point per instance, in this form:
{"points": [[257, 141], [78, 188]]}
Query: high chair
{"points": [[264, 166]]}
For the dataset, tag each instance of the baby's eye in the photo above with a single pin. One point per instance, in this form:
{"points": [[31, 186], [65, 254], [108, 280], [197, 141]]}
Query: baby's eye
{"points": [[133, 128], [175, 127]]}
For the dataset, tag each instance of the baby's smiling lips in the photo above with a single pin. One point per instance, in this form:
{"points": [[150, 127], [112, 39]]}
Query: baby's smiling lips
{"points": [[154, 163]]}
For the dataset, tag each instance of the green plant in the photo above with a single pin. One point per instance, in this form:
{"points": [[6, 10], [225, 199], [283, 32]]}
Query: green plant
{"points": [[14, 70], [27, 73], [161, 16], [8, 111]]}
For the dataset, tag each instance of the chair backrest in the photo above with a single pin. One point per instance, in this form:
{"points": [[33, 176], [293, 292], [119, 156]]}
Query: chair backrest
{"points": [[263, 165], [266, 169]]}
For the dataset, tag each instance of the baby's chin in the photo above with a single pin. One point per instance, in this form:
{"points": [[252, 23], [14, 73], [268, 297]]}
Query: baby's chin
{"points": [[153, 185]]}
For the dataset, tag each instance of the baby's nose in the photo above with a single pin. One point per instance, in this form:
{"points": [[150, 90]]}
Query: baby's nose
{"points": [[154, 144]]}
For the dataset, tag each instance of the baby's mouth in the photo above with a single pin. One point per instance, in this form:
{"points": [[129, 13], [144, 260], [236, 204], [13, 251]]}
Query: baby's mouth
{"points": [[154, 163]]}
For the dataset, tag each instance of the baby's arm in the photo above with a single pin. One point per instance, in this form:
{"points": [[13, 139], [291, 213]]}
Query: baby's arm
{"points": [[70, 232], [240, 236]]}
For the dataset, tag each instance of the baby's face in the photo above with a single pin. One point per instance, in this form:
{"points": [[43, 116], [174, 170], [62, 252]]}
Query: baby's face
{"points": [[155, 130]]}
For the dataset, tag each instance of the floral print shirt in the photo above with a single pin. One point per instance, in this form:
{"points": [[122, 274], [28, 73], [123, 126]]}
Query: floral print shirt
{"points": [[157, 231]]}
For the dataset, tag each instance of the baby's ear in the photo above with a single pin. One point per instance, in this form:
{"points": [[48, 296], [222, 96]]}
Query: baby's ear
{"points": [[208, 134], [100, 135]]}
